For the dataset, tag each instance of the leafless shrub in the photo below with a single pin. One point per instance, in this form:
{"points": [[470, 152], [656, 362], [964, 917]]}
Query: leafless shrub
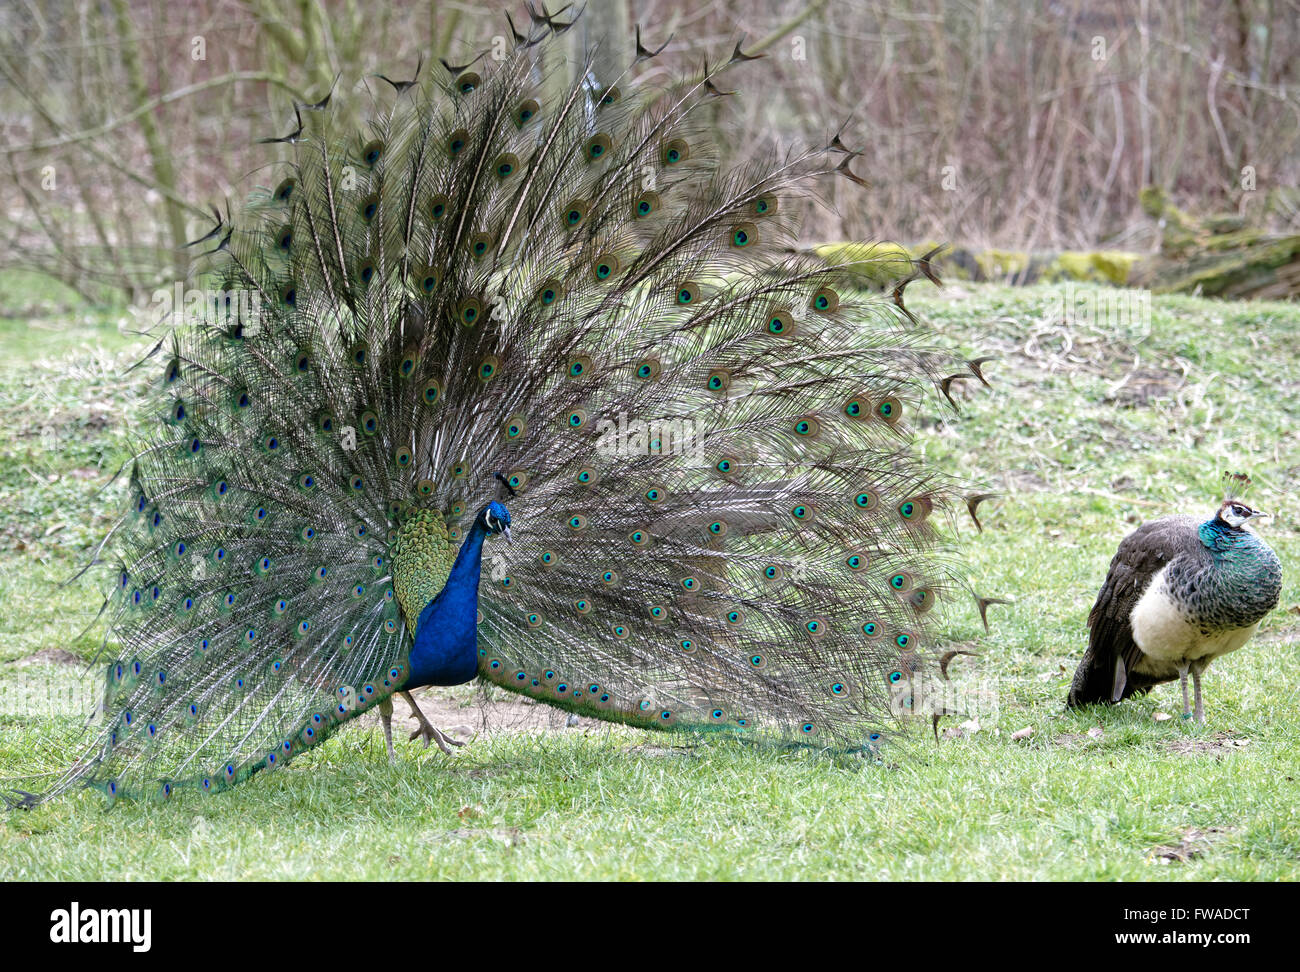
{"points": [[990, 122]]}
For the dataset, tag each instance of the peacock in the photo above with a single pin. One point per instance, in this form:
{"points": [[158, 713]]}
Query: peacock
{"points": [[520, 384], [1180, 592]]}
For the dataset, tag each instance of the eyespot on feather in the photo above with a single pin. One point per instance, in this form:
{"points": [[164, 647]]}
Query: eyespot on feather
{"points": [[597, 147], [780, 322], [506, 165], [743, 235], [487, 368], [687, 293], [915, 509], [889, 409], [573, 215], [675, 150], [646, 204], [515, 427], [578, 366], [549, 292], [807, 427], [605, 267], [469, 311], [426, 279], [868, 500], [825, 301], [526, 111]]}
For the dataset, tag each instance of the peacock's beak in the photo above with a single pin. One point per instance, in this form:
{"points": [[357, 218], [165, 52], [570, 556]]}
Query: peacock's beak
{"points": [[506, 531]]}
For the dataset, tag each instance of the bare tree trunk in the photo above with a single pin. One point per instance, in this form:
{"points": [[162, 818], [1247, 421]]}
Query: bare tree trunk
{"points": [[159, 151]]}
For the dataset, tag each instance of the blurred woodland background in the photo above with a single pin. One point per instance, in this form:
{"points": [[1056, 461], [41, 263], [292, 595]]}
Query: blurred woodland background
{"points": [[990, 123]]}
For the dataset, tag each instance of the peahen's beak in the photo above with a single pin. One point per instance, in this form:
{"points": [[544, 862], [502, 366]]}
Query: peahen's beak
{"points": [[1259, 513]]}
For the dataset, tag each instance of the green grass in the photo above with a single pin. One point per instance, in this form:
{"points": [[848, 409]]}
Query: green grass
{"points": [[1083, 436]]}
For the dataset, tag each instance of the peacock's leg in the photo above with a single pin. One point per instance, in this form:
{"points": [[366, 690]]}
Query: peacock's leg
{"points": [[1196, 683], [386, 714], [428, 730], [1182, 680]]}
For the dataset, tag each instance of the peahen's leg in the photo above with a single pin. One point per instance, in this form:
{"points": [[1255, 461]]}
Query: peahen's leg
{"points": [[386, 715], [1196, 683], [428, 730], [1182, 680]]}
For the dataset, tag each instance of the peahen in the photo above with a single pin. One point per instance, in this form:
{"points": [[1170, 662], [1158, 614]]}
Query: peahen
{"points": [[1181, 591], [497, 309]]}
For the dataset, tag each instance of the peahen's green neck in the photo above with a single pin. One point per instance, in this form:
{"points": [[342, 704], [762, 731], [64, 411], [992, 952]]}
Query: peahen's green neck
{"points": [[1237, 586]]}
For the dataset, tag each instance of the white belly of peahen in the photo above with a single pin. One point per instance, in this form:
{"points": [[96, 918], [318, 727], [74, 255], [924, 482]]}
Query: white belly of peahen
{"points": [[1170, 640]]}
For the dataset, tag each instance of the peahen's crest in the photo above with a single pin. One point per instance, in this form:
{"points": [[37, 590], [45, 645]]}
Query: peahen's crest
{"points": [[560, 305]]}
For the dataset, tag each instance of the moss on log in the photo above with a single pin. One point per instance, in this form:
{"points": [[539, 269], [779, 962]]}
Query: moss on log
{"points": [[1216, 257], [878, 264]]}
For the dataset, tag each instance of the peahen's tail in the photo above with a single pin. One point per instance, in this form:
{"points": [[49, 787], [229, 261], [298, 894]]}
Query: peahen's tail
{"points": [[702, 438]]}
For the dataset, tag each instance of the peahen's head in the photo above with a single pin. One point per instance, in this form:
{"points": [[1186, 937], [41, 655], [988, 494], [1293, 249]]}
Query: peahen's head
{"points": [[1235, 514], [494, 518]]}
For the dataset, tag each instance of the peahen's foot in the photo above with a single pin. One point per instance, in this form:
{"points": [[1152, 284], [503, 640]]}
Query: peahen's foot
{"points": [[428, 731]]}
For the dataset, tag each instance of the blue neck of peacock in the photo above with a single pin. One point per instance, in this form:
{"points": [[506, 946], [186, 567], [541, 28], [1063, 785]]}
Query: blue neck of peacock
{"points": [[446, 634]]}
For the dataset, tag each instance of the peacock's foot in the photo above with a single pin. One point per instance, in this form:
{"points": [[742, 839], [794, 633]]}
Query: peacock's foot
{"points": [[430, 733]]}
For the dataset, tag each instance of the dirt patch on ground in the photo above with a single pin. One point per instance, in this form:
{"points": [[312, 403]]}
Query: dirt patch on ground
{"points": [[48, 656], [1287, 635], [1192, 843], [464, 713], [1217, 745], [659, 751], [1143, 386], [1072, 740]]}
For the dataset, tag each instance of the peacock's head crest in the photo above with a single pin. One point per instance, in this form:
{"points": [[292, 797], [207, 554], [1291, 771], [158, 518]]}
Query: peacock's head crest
{"points": [[1235, 514], [494, 518]]}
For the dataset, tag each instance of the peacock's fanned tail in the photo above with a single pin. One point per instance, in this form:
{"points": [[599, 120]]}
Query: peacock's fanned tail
{"points": [[719, 524]]}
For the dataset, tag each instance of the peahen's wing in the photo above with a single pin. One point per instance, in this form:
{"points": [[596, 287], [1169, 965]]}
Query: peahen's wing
{"points": [[1107, 671]]}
